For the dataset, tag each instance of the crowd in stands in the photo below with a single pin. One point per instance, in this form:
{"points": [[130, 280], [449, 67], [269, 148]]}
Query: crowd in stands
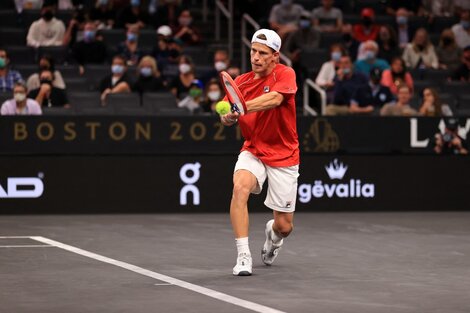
{"points": [[393, 57]]}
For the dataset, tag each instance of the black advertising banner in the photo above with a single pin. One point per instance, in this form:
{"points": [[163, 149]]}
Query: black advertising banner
{"points": [[111, 135], [195, 183]]}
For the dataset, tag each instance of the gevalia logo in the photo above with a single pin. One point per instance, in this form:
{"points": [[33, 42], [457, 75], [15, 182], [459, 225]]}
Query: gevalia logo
{"points": [[23, 187], [354, 188]]}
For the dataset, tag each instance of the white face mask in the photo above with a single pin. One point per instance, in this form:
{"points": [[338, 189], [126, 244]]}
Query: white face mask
{"points": [[213, 95], [19, 97], [220, 66], [184, 68]]}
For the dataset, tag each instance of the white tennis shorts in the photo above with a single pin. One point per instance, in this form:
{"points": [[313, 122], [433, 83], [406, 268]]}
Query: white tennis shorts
{"points": [[282, 181]]}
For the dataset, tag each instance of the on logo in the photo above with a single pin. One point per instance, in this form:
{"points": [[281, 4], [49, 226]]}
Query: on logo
{"points": [[22, 187], [190, 181]]}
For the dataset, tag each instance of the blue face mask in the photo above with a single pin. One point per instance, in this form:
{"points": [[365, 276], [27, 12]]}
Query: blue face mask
{"points": [[305, 24], [131, 37], [402, 20], [103, 2], [369, 55], [465, 24], [135, 3], [117, 69], [336, 56], [346, 71], [146, 71], [89, 35]]}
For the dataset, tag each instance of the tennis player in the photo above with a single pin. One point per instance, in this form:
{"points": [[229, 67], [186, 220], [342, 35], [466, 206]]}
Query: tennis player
{"points": [[270, 150]]}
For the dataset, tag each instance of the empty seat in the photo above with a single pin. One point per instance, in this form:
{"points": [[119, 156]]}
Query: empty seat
{"points": [[442, 22], [436, 75], [147, 38], [199, 55], [8, 18], [464, 101], [68, 71], [159, 101], [314, 59], [26, 70], [173, 112], [102, 110], [12, 36], [121, 101], [456, 88], [420, 85], [21, 55], [112, 37], [84, 100], [57, 111], [58, 53], [77, 84], [327, 39]]}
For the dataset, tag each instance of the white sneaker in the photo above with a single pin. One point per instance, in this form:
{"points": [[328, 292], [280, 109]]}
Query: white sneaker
{"points": [[270, 249], [244, 265]]}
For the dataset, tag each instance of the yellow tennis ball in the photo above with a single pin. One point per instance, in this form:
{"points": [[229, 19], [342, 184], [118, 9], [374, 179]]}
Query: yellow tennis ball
{"points": [[222, 107]]}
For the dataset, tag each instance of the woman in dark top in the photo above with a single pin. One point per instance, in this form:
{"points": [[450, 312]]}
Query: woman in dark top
{"points": [[388, 44], [104, 13], [182, 83], [149, 78], [130, 48]]}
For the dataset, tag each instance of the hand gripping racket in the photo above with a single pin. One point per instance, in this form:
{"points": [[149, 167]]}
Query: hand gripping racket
{"points": [[234, 95]]}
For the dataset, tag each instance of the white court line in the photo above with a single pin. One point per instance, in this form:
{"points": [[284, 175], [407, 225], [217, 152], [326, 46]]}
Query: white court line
{"points": [[27, 246], [14, 237], [170, 280]]}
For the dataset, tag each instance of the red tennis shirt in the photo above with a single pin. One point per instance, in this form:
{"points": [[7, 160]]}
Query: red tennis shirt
{"points": [[271, 135]]}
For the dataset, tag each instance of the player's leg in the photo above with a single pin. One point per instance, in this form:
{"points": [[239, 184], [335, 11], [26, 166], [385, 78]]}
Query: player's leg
{"points": [[248, 178], [281, 198]]}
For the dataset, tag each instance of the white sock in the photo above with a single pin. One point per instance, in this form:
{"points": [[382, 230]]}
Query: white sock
{"points": [[242, 245], [274, 236]]}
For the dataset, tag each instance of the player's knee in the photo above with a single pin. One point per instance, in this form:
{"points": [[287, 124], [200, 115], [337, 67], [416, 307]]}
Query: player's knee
{"points": [[284, 229], [241, 190]]}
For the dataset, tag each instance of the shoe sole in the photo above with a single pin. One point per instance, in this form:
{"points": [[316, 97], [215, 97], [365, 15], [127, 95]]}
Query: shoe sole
{"points": [[243, 273]]}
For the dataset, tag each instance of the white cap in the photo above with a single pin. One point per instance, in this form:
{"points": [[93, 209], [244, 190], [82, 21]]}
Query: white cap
{"points": [[164, 30], [272, 40]]}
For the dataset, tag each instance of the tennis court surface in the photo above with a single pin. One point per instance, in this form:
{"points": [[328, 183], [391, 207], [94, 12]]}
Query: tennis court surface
{"points": [[333, 262]]}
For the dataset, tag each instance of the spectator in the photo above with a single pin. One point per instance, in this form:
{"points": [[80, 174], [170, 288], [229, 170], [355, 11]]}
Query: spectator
{"points": [[305, 38], [213, 94], [75, 29], [221, 61], [432, 104], [367, 29], [345, 84], [194, 100], [149, 78], [133, 15], [284, 17], [234, 71], [186, 32], [327, 18], [181, 84], [27, 5], [404, 31], [103, 14], [8, 77], [370, 60], [47, 31], [420, 52], [388, 45], [413, 6], [349, 42], [89, 50], [461, 5], [130, 47], [462, 73], [326, 76], [117, 81], [20, 104], [448, 53], [439, 8], [168, 12], [449, 141], [396, 76], [370, 98], [46, 62], [47, 95], [402, 106], [166, 50], [462, 30]]}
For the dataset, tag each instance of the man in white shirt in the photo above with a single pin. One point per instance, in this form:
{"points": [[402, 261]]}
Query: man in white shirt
{"points": [[47, 31], [462, 30]]}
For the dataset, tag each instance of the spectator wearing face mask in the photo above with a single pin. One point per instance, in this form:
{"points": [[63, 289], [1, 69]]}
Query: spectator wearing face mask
{"points": [[89, 50], [221, 63], [420, 52], [75, 27], [47, 95], [103, 14], [367, 29], [20, 104], [397, 75], [327, 18], [130, 47], [47, 31], [181, 84], [462, 73], [448, 53], [149, 78], [462, 30], [46, 62], [166, 51], [306, 38], [116, 82], [8, 77], [213, 94], [327, 74], [135, 14], [370, 60], [186, 32], [404, 30], [284, 17], [194, 98]]}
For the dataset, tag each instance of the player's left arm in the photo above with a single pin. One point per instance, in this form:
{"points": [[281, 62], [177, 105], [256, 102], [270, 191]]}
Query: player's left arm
{"points": [[265, 102]]}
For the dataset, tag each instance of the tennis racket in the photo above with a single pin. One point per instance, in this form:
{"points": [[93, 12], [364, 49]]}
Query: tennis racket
{"points": [[234, 95]]}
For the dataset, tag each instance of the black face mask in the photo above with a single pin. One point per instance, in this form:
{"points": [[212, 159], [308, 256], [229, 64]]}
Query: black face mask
{"points": [[367, 21], [447, 41], [48, 15], [46, 81]]}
